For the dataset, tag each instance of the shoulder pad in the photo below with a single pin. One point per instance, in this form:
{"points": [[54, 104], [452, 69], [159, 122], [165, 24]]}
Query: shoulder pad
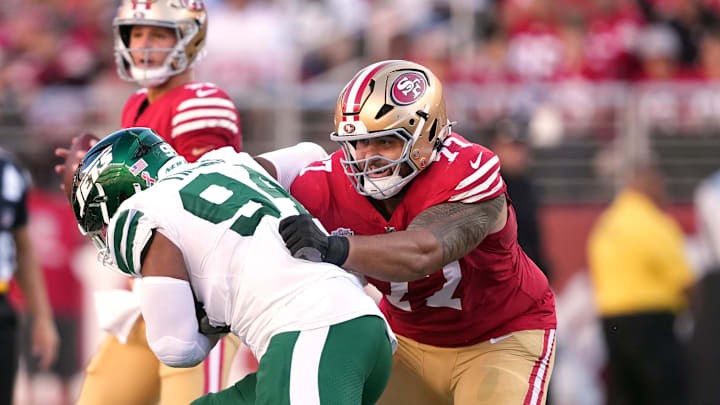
{"points": [[477, 171]]}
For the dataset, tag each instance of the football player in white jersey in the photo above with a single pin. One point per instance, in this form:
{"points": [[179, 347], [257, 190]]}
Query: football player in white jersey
{"points": [[205, 238], [157, 44]]}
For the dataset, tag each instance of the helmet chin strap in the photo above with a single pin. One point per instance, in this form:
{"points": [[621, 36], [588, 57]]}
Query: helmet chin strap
{"points": [[438, 142], [384, 187], [150, 77]]}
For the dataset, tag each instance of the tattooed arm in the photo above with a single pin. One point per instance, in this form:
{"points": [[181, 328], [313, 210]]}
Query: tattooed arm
{"points": [[439, 235]]}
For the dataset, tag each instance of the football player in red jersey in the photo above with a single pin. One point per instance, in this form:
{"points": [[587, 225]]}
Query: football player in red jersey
{"points": [[156, 45], [157, 42], [424, 215]]}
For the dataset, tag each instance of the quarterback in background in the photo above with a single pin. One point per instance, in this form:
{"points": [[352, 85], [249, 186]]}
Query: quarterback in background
{"points": [[425, 216], [157, 43]]}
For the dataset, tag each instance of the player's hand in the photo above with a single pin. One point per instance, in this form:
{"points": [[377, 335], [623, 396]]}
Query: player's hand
{"points": [[306, 241], [72, 156], [45, 341], [204, 325]]}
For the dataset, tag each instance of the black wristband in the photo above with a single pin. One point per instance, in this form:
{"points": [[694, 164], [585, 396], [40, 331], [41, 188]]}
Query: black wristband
{"points": [[337, 251]]}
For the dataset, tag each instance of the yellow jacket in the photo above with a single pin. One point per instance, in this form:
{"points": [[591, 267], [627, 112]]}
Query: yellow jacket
{"points": [[637, 259]]}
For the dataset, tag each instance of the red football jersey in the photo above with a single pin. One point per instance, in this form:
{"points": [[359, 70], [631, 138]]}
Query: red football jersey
{"points": [[193, 118], [494, 290]]}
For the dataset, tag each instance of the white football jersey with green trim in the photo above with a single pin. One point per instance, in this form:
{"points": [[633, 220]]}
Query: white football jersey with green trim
{"points": [[223, 213]]}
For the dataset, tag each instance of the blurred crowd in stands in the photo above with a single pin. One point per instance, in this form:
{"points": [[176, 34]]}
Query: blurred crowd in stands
{"points": [[51, 42], [276, 44]]}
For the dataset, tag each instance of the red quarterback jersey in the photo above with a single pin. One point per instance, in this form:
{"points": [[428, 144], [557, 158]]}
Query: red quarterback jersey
{"points": [[494, 290], [193, 119]]}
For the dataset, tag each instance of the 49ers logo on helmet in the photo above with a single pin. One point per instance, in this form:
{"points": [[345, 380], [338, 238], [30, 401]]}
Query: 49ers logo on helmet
{"points": [[349, 128], [407, 88]]}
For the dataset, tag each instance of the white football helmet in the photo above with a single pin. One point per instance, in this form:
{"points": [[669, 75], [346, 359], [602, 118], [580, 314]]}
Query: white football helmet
{"points": [[187, 18], [398, 98]]}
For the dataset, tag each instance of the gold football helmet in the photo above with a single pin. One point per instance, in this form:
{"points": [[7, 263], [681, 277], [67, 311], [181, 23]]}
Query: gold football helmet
{"points": [[187, 18], [391, 98]]}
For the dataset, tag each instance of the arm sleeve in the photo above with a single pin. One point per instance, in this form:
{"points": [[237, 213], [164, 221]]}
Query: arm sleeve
{"points": [[194, 147], [205, 118], [290, 161], [172, 330]]}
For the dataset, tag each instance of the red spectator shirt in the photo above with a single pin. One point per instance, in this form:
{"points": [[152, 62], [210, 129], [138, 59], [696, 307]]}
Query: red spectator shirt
{"points": [[193, 118], [609, 43], [494, 290], [534, 51]]}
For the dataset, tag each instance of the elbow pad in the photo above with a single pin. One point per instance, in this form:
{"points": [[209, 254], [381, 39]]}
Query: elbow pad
{"points": [[175, 352], [171, 327], [290, 161]]}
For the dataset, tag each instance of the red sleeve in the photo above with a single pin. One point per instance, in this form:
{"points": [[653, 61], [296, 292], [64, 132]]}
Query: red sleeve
{"points": [[204, 119], [193, 147], [478, 171]]}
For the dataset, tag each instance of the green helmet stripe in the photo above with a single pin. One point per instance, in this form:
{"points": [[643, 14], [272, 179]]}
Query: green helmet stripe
{"points": [[118, 241], [131, 230]]}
